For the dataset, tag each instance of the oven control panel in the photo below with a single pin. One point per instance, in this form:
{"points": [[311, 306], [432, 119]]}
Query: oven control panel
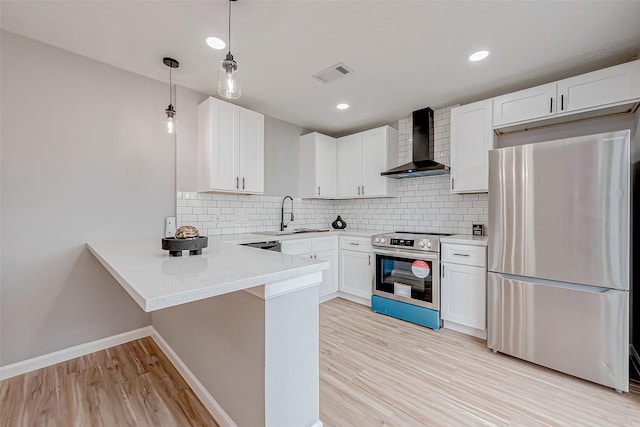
{"points": [[402, 242], [407, 241]]}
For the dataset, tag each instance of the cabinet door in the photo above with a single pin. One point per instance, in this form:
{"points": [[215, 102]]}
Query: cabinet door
{"points": [[326, 168], [251, 152], [463, 295], [349, 165], [329, 282], [356, 273], [529, 104], [374, 161], [599, 88], [224, 152], [471, 140], [296, 247]]}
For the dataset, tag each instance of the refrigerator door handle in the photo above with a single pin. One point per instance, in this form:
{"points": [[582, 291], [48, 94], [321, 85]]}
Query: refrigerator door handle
{"points": [[556, 284]]}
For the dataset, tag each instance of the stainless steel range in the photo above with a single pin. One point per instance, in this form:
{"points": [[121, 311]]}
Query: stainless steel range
{"points": [[407, 279]]}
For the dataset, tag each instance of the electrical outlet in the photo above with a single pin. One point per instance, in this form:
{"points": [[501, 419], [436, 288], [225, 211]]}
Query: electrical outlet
{"points": [[170, 226]]}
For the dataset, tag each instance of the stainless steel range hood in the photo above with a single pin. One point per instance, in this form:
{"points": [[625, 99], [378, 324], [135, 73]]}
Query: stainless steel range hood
{"points": [[423, 150]]}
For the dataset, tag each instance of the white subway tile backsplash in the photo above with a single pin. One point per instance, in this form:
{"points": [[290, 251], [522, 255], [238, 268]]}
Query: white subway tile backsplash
{"points": [[424, 203]]}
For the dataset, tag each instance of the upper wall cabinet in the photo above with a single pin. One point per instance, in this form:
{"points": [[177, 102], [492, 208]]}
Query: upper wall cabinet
{"points": [[318, 166], [610, 90], [230, 148], [471, 139], [361, 159], [524, 105]]}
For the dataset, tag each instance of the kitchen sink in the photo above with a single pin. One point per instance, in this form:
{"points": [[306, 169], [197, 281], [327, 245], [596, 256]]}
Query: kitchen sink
{"points": [[286, 233]]}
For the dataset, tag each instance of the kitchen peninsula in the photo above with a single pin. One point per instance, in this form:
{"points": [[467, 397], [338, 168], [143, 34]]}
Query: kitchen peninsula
{"points": [[243, 321]]}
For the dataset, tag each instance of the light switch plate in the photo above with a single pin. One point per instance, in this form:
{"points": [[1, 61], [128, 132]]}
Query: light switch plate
{"points": [[170, 226]]}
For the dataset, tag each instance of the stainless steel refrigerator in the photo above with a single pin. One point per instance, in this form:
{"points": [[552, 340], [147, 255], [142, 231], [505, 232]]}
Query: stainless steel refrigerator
{"points": [[558, 281]]}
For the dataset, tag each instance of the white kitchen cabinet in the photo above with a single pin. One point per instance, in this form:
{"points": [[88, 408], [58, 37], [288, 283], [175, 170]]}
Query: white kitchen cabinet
{"points": [[612, 85], [322, 248], [362, 157], [356, 267], [471, 139], [318, 166], [525, 105], [230, 148], [349, 165], [329, 284], [561, 101], [463, 285]]}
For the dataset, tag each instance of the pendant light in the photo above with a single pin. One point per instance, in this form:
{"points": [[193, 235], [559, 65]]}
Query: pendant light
{"points": [[228, 82], [170, 111]]}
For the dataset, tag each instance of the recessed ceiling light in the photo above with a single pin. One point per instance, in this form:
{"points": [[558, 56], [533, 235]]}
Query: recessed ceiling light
{"points": [[216, 43], [342, 106], [479, 55]]}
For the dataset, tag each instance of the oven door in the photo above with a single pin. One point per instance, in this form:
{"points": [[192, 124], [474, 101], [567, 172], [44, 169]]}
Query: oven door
{"points": [[409, 277]]}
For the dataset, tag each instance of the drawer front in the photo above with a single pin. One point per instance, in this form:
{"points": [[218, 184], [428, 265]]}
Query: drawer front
{"points": [[464, 254], [360, 244], [322, 244], [296, 247]]}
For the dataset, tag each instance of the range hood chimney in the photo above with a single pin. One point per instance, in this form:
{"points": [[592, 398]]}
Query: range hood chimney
{"points": [[423, 150]]}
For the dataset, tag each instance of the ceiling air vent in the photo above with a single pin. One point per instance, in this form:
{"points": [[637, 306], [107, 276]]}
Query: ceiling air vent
{"points": [[333, 73]]}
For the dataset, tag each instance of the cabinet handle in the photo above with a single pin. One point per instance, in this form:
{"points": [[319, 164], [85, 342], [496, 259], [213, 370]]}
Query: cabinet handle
{"points": [[369, 259], [453, 183], [358, 190], [363, 190], [461, 254], [561, 102], [243, 183], [354, 244], [315, 256], [318, 190], [237, 182], [443, 271], [551, 105]]}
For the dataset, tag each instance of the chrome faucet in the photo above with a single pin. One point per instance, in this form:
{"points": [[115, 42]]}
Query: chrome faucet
{"points": [[282, 224]]}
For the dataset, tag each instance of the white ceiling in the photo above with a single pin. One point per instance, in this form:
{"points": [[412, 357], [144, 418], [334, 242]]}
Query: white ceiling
{"points": [[406, 54]]}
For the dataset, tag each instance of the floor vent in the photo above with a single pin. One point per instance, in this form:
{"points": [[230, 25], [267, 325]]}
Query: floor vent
{"points": [[332, 73]]}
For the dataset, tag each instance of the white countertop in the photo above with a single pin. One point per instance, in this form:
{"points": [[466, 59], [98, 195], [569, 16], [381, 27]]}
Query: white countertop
{"points": [[465, 239], [155, 280], [239, 239]]}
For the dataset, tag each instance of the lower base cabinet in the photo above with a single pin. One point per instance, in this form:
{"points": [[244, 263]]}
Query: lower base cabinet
{"points": [[463, 287], [329, 284], [356, 266], [321, 248]]}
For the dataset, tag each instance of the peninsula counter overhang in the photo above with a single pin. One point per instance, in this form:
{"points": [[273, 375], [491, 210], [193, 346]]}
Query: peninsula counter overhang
{"points": [[156, 281]]}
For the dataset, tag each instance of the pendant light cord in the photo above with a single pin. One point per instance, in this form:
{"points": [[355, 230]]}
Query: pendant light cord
{"points": [[170, 90], [229, 26]]}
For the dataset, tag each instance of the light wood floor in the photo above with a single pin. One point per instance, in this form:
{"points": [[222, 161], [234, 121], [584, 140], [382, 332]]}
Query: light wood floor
{"points": [[133, 384], [374, 371], [380, 371]]}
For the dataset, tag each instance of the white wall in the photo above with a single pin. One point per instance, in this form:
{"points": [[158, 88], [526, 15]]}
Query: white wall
{"points": [[186, 104], [281, 158], [84, 157]]}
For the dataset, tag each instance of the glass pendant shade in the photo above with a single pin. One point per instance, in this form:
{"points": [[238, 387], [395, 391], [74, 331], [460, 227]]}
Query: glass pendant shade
{"points": [[170, 111], [228, 81], [171, 119]]}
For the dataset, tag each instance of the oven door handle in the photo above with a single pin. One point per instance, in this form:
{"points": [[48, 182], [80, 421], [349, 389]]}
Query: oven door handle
{"points": [[427, 256]]}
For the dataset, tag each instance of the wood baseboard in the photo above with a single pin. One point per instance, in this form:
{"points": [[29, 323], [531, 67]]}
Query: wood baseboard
{"points": [[203, 394], [45, 360]]}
